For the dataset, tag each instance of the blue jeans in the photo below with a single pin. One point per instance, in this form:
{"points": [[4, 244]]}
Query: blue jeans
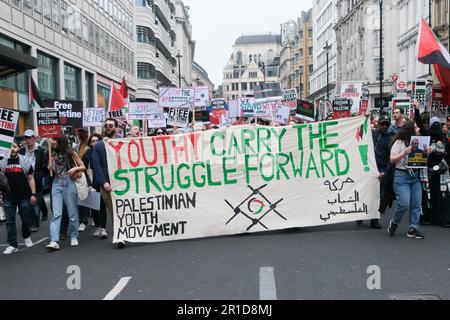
{"points": [[408, 190], [64, 192], [10, 206]]}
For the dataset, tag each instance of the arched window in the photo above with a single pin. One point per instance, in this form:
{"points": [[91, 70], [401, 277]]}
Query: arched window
{"points": [[239, 58], [270, 56]]}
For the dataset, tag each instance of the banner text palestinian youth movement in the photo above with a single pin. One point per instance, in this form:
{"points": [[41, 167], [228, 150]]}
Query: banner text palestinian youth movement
{"points": [[242, 179]]}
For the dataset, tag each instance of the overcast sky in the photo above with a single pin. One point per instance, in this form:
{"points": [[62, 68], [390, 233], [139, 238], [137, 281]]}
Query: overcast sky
{"points": [[216, 24]]}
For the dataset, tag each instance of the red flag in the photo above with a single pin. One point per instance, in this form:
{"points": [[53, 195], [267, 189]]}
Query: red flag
{"points": [[431, 51], [124, 89], [116, 101]]}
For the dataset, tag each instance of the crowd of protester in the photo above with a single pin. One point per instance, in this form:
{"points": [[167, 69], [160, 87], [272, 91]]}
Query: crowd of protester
{"points": [[419, 192]]}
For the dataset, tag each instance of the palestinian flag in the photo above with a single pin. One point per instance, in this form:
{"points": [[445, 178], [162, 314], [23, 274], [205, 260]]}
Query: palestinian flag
{"points": [[116, 101], [35, 97], [431, 51], [124, 91]]}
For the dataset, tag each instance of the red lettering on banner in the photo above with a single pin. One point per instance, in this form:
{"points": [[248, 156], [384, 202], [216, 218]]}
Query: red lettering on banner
{"points": [[155, 153], [183, 148], [117, 150], [194, 140], [163, 140], [133, 163]]}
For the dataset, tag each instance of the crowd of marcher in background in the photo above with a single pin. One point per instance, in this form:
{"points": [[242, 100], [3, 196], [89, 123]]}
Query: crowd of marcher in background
{"points": [[29, 169]]}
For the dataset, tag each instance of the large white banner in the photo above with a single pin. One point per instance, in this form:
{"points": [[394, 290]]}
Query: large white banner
{"points": [[243, 179]]}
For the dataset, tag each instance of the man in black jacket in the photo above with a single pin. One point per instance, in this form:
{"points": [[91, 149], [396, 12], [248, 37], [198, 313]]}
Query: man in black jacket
{"points": [[38, 157]]}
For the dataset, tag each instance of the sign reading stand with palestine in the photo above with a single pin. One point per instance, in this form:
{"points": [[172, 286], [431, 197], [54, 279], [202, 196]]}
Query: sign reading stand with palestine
{"points": [[48, 123], [8, 125]]}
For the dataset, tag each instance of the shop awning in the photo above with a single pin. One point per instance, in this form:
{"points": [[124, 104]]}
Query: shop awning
{"points": [[13, 61]]}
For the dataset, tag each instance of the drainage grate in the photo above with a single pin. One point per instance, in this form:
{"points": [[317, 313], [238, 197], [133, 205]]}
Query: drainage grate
{"points": [[414, 296]]}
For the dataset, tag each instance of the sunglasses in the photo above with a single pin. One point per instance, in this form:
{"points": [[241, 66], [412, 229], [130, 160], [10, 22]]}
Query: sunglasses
{"points": [[384, 124], [109, 126]]}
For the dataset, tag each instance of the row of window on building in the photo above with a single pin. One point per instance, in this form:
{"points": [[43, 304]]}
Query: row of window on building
{"points": [[71, 22]]}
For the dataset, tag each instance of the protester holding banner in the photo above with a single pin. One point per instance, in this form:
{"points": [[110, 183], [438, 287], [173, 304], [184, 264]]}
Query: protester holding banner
{"points": [[19, 172], [99, 216], [407, 185], [101, 175], [65, 165], [38, 158]]}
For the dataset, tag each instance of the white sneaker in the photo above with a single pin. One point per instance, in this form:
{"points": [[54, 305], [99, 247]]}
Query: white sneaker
{"points": [[104, 234], [10, 250], [53, 246], [74, 243], [28, 242], [97, 233], [82, 227]]}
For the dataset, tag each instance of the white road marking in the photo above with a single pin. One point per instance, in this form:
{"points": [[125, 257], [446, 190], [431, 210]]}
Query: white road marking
{"points": [[267, 288], [117, 289], [23, 244]]}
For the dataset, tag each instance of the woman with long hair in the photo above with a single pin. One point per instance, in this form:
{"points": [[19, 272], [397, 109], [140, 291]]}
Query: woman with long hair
{"points": [[66, 166], [99, 216], [407, 185]]}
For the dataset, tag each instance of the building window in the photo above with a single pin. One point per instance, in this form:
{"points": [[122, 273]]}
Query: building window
{"points": [[310, 68], [103, 93], [310, 33], [270, 56], [28, 7], [47, 76], [89, 89], [300, 34], [72, 82], [239, 58], [47, 6], [301, 53], [38, 9], [145, 35], [145, 71], [310, 51], [244, 86], [253, 74], [376, 67]]}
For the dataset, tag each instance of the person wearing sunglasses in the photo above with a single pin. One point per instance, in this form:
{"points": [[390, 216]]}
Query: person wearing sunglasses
{"points": [[100, 166], [381, 139]]}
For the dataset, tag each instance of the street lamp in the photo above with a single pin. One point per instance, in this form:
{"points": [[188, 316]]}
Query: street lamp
{"points": [[300, 87], [381, 75], [179, 56], [327, 49]]}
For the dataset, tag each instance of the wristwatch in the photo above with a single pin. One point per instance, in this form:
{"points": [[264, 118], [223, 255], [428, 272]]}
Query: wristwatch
{"points": [[33, 194]]}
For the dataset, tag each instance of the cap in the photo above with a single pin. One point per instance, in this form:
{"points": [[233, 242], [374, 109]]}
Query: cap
{"points": [[29, 133], [434, 120], [384, 119]]}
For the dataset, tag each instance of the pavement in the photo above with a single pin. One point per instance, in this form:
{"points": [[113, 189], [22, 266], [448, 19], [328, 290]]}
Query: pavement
{"points": [[330, 262]]}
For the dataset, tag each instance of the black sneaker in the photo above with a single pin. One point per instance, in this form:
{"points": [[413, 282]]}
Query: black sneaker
{"points": [[392, 228], [414, 233], [374, 224], [120, 245]]}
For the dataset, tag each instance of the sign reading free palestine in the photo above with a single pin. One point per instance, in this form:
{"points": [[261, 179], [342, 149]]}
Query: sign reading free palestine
{"points": [[241, 180]]}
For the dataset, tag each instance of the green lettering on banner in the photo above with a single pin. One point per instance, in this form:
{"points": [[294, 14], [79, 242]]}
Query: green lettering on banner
{"points": [[279, 137], [262, 140], [171, 177], [298, 171], [226, 171], [194, 174], [182, 185], [136, 177], [313, 136], [300, 128], [209, 173], [339, 171], [117, 176], [234, 145], [312, 166], [149, 179], [272, 167], [213, 148], [327, 135], [324, 161], [248, 169], [246, 141], [281, 165]]}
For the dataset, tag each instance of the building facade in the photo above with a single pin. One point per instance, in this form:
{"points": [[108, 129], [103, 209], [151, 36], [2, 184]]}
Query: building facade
{"points": [[184, 43], [255, 60], [440, 20], [411, 11], [81, 48], [358, 45], [324, 17]]}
